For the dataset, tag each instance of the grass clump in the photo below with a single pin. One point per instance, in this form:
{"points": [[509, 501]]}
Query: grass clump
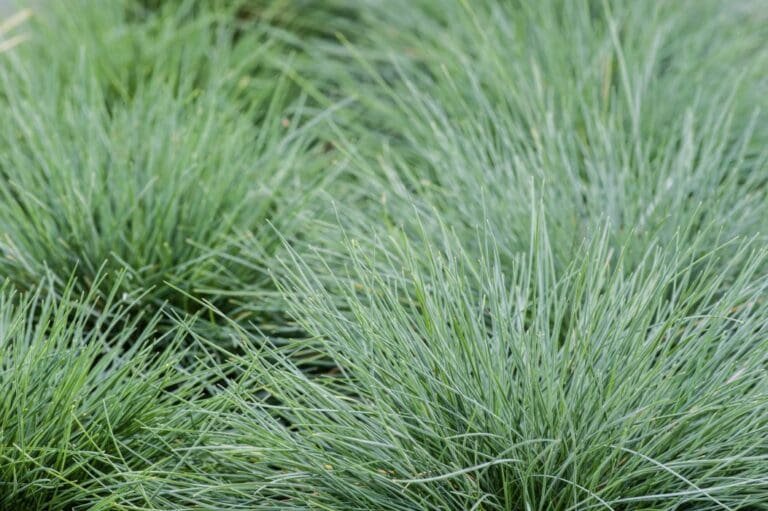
{"points": [[467, 386], [127, 47], [475, 110], [81, 391], [164, 183]]}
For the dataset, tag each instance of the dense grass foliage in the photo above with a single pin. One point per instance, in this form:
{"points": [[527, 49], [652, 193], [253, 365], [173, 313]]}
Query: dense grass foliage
{"points": [[81, 391], [149, 166], [572, 103], [467, 388], [403, 254]]}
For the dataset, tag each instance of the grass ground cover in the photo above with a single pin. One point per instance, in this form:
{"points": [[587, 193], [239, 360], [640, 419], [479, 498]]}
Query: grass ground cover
{"points": [[572, 104], [145, 146], [384, 255], [81, 390]]}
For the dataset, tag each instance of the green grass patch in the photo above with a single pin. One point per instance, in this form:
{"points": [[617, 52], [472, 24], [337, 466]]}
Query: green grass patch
{"points": [[361, 255]]}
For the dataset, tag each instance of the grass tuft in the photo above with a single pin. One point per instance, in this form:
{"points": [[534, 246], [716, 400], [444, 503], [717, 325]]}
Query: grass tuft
{"points": [[81, 389], [166, 182], [467, 386]]}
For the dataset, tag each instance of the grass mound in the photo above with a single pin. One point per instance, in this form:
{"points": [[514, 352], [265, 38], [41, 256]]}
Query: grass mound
{"points": [[578, 105], [137, 152], [81, 391], [464, 387]]}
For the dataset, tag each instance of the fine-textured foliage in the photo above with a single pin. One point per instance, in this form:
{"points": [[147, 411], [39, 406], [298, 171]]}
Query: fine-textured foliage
{"points": [[80, 391], [363, 254], [165, 181], [463, 387], [577, 104]]}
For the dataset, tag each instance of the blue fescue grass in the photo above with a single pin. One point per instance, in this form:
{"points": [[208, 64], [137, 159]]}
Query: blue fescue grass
{"points": [[468, 384], [605, 118], [82, 387], [448, 255], [155, 147]]}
